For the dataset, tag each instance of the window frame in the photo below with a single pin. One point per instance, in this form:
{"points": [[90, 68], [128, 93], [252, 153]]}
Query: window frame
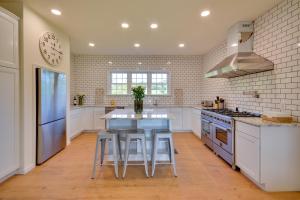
{"points": [[129, 81]]}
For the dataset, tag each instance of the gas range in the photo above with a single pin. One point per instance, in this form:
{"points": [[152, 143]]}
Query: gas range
{"points": [[218, 131], [232, 113]]}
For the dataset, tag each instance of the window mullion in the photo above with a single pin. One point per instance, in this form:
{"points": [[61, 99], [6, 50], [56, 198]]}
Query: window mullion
{"points": [[129, 82]]}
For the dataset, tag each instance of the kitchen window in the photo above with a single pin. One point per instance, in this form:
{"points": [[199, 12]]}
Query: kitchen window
{"points": [[154, 82]]}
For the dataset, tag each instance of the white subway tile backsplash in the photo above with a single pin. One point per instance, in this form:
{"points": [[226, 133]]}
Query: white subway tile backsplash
{"points": [[276, 36]]}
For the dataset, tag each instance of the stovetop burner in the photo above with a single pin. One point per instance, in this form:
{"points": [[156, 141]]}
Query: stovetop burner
{"points": [[232, 113]]}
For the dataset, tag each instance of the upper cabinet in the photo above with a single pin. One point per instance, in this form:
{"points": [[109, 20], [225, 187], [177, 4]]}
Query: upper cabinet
{"points": [[9, 53]]}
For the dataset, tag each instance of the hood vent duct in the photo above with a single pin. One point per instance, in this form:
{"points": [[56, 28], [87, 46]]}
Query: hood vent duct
{"points": [[241, 59]]}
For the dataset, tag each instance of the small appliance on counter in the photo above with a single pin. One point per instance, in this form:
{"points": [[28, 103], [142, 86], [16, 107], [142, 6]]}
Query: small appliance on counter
{"points": [[219, 103], [207, 104]]}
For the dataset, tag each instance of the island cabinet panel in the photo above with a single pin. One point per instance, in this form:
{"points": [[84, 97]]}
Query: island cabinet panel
{"points": [[176, 123], [99, 122], [269, 155], [186, 119]]}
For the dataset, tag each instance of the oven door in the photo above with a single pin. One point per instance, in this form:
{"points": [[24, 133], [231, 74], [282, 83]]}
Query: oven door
{"points": [[206, 128], [222, 136]]}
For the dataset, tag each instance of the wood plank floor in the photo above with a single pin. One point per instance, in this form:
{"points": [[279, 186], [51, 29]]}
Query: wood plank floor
{"points": [[201, 175]]}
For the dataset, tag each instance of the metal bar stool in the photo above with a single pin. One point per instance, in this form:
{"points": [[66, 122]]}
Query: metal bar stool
{"points": [[137, 135], [102, 137], [163, 135]]}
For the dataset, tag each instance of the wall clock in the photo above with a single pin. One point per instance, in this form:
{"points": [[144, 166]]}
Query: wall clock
{"points": [[51, 48]]}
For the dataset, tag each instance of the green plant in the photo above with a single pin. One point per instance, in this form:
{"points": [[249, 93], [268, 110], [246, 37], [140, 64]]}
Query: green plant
{"points": [[138, 93]]}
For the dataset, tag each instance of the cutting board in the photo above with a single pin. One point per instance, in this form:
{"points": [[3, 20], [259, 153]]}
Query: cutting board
{"points": [[279, 119]]}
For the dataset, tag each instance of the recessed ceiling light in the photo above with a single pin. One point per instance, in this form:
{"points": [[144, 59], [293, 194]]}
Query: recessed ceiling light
{"points": [[234, 45], [154, 26], [298, 44], [55, 12], [137, 45], [91, 44], [205, 13], [125, 25], [181, 45], [139, 63], [109, 62]]}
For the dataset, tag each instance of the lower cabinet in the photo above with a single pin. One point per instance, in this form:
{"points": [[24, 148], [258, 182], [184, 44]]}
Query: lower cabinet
{"points": [[9, 122], [247, 154], [196, 122], [269, 155], [86, 119]]}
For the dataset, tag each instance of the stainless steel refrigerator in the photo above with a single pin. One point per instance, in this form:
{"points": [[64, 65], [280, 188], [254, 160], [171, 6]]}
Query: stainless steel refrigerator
{"points": [[51, 93]]}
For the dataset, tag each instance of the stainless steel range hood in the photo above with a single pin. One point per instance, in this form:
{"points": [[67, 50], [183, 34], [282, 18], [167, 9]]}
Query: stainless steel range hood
{"points": [[241, 60]]}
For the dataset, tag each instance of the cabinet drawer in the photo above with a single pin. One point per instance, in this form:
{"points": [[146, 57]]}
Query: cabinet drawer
{"points": [[247, 129]]}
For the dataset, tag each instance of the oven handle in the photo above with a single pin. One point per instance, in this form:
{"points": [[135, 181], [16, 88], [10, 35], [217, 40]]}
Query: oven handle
{"points": [[206, 121]]}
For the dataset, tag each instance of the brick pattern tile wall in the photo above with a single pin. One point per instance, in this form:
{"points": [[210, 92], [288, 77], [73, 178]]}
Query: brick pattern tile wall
{"points": [[90, 72], [276, 37]]}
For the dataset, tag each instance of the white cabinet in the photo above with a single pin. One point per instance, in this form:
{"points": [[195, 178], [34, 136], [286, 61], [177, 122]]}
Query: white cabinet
{"points": [[269, 155], [98, 122], [75, 122], [176, 123], [87, 118], [196, 122], [8, 40], [247, 154], [187, 119], [9, 121], [9, 93]]}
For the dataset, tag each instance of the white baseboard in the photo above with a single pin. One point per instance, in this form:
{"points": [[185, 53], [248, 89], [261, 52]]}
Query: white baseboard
{"points": [[26, 169]]}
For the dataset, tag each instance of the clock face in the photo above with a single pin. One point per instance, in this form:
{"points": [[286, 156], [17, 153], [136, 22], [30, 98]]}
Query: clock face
{"points": [[51, 48]]}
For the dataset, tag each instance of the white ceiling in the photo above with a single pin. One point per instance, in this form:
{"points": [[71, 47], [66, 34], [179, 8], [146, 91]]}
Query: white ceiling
{"points": [[179, 21]]}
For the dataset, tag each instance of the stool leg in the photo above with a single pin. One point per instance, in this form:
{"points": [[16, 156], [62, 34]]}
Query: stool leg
{"points": [[103, 141], [173, 155], [119, 147], [115, 154], [95, 159], [143, 143], [169, 147], [127, 145], [154, 154]]}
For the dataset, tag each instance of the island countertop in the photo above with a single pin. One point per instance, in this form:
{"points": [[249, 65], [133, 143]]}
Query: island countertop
{"points": [[147, 114]]}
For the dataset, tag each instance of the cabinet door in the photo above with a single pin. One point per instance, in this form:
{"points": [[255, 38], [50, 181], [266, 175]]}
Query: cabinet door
{"points": [[75, 122], [8, 40], [88, 119], [247, 154], [99, 123], [196, 122], [187, 119], [177, 122], [9, 121]]}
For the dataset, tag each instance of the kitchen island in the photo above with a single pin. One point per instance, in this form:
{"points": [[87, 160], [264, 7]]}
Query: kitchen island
{"points": [[122, 119]]}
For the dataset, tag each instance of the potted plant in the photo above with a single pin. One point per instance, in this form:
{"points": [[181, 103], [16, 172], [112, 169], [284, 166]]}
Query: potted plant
{"points": [[138, 94], [80, 99]]}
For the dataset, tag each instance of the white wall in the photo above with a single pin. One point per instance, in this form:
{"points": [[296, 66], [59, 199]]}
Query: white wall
{"points": [[34, 27], [89, 72]]}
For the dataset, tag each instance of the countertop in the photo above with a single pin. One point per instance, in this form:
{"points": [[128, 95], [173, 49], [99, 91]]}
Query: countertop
{"points": [[147, 114], [257, 121], [145, 106]]}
